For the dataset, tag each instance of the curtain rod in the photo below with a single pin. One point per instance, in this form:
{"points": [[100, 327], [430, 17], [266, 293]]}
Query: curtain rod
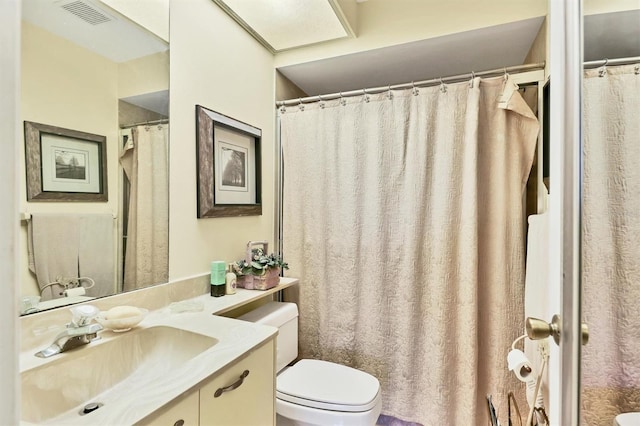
{"points": [[451, 79], [144, 123], [618, 61]]}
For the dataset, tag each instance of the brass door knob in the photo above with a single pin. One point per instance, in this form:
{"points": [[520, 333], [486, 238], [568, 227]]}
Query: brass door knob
{"points": [[539, 329]]}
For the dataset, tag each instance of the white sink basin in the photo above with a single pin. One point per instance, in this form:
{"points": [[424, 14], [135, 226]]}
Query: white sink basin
{"points": [[63, 386]]}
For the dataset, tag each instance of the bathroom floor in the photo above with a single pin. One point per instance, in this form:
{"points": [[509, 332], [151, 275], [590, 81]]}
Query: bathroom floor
{"points": [[392, 421]]}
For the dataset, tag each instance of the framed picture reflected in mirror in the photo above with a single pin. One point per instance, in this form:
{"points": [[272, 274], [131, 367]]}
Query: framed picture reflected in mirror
{"points": [[64, 164]]}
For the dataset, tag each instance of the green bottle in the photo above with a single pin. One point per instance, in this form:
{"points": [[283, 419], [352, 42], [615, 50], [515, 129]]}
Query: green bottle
{"points": [[218, 278]]}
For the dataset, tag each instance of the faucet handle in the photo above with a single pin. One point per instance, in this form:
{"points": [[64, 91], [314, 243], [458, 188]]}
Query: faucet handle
{"points": [[83, 315]]}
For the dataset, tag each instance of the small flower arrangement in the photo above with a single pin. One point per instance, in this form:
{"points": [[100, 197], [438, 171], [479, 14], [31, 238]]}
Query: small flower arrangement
{"points": [[260, 263], [261, 272]]}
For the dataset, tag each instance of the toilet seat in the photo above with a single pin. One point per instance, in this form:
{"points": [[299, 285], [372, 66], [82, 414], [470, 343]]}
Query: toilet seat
{"points": [[328, 386]]}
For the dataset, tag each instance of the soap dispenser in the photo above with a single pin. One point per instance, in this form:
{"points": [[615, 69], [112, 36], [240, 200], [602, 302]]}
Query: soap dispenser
{"points": [[230, 280]]}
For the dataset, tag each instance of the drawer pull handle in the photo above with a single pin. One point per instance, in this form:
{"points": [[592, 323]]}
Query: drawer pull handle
{"points": [[179, 423], [233, 386]]}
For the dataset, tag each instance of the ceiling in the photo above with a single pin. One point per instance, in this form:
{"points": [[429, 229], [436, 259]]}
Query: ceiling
{"points": [[94, 26], [608, 35], [114, 36], [286, 24], [612, 35], [478, 50]]}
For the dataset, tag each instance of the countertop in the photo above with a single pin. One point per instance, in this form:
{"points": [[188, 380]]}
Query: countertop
{"points": [[129, 402]]}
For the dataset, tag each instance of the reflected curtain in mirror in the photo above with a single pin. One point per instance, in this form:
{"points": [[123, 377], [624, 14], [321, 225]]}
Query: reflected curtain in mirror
{"points": [[611, 254], [145, 163]]}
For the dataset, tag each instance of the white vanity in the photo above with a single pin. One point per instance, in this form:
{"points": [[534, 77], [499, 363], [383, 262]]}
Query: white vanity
{"points": [[166, 371]]}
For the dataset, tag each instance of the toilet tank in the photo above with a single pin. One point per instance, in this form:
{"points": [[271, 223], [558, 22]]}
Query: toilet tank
{"points": [[284, 316]]}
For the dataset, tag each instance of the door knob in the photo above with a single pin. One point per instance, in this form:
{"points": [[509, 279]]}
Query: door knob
{"points": [[539, 329]]}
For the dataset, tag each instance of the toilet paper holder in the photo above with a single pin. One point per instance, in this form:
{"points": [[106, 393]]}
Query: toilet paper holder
{"points": [[538, 329], [518, 362]]}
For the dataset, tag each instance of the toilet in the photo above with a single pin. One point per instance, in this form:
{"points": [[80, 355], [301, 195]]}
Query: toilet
{"points": [[313, 392], [627, 419]]}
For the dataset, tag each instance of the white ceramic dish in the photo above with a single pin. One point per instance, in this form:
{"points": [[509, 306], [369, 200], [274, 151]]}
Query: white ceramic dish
{"points": [[121, 324]]}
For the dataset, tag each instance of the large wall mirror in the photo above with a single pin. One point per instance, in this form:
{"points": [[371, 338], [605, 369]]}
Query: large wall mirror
{"points": [[98, 68], [610, 182]]}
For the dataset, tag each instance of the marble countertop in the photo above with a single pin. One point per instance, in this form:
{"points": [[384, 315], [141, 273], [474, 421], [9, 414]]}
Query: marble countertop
{"points": [[147, 394]]}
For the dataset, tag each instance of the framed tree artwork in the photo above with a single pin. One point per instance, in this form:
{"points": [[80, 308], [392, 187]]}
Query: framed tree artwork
{"points": [[229, 166], [64, 164]]}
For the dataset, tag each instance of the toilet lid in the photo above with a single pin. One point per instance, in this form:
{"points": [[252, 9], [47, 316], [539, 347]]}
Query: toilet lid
{"points": [[627, 419], [325, 385]]}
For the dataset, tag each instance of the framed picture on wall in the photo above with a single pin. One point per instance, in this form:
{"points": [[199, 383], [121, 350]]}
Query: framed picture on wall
{"points": [[64, 164], [229, 172]]}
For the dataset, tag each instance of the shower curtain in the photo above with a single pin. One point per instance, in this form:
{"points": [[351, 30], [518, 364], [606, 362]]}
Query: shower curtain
{"points": [[145, 162], [403, 218], [611, 243]]}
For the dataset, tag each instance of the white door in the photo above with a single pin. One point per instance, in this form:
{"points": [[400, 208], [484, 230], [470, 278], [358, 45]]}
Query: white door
{"points": [[564, 207]]}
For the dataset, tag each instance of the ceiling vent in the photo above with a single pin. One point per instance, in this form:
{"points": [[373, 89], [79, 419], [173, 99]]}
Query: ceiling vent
{"points": [[86, 12]]}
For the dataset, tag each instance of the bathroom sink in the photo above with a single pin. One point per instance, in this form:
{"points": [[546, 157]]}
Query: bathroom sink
{"points": [[71, 380]]}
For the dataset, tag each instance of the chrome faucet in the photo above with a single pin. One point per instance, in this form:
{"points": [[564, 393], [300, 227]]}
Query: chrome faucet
{"points": [[79, 331]]}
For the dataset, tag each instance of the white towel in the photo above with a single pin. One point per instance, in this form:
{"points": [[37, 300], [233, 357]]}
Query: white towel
{"points": [[54, 250], [96, 255], [537, 287]]}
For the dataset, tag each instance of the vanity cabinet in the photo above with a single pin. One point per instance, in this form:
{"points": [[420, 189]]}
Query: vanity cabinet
{"points": [[242, 401], [180, 412]]}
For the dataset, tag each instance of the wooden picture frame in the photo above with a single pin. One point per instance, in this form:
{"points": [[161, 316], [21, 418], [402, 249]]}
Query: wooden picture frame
{"points": [[64, 164], [228, 158]]}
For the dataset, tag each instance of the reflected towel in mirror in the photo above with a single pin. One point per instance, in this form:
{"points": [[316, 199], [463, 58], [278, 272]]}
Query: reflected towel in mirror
{"points": [[72, 245]]}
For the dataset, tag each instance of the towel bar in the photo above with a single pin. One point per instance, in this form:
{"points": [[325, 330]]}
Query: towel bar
{"points": [[26, 217]]}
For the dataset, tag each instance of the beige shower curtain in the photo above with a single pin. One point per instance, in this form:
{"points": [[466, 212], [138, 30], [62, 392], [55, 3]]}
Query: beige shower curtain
{"points": [[611, 243], [145, 162], [403, 218]]}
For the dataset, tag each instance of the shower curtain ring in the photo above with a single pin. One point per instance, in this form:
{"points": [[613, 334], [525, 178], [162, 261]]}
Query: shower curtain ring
{"points": [[443, 87], [414, 89], [603, 71], [320, 102], [389, 94], [300, 105], [343, 101], [473, 77], [365, 96]]}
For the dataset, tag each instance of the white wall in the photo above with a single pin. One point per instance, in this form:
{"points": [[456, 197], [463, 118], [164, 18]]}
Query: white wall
{"points": [[148, 74], [9, 101], [216, 64]]}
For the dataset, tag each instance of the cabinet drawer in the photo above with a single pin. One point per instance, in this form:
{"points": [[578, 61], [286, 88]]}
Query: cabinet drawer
{"points": [[242, 401], [180, 412]]}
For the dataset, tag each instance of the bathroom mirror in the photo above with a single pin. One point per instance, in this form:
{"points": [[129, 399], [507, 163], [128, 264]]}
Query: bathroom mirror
{"points": [[609, 220], [98, 67]]}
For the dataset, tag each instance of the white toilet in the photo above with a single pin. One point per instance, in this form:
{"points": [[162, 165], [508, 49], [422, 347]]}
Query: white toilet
{"points": [[627, 419], [314, 392]]}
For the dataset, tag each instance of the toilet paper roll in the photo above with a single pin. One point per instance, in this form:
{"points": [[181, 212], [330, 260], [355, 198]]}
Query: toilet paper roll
{"points": [[520, 365], [78, 291]]}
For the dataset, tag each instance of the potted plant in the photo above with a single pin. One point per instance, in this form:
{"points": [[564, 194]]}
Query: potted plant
{"points": [[259, 270]]}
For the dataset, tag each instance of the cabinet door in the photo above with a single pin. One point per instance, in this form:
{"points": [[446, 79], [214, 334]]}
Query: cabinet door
{"points": [[181, 412], [242, 401]]}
